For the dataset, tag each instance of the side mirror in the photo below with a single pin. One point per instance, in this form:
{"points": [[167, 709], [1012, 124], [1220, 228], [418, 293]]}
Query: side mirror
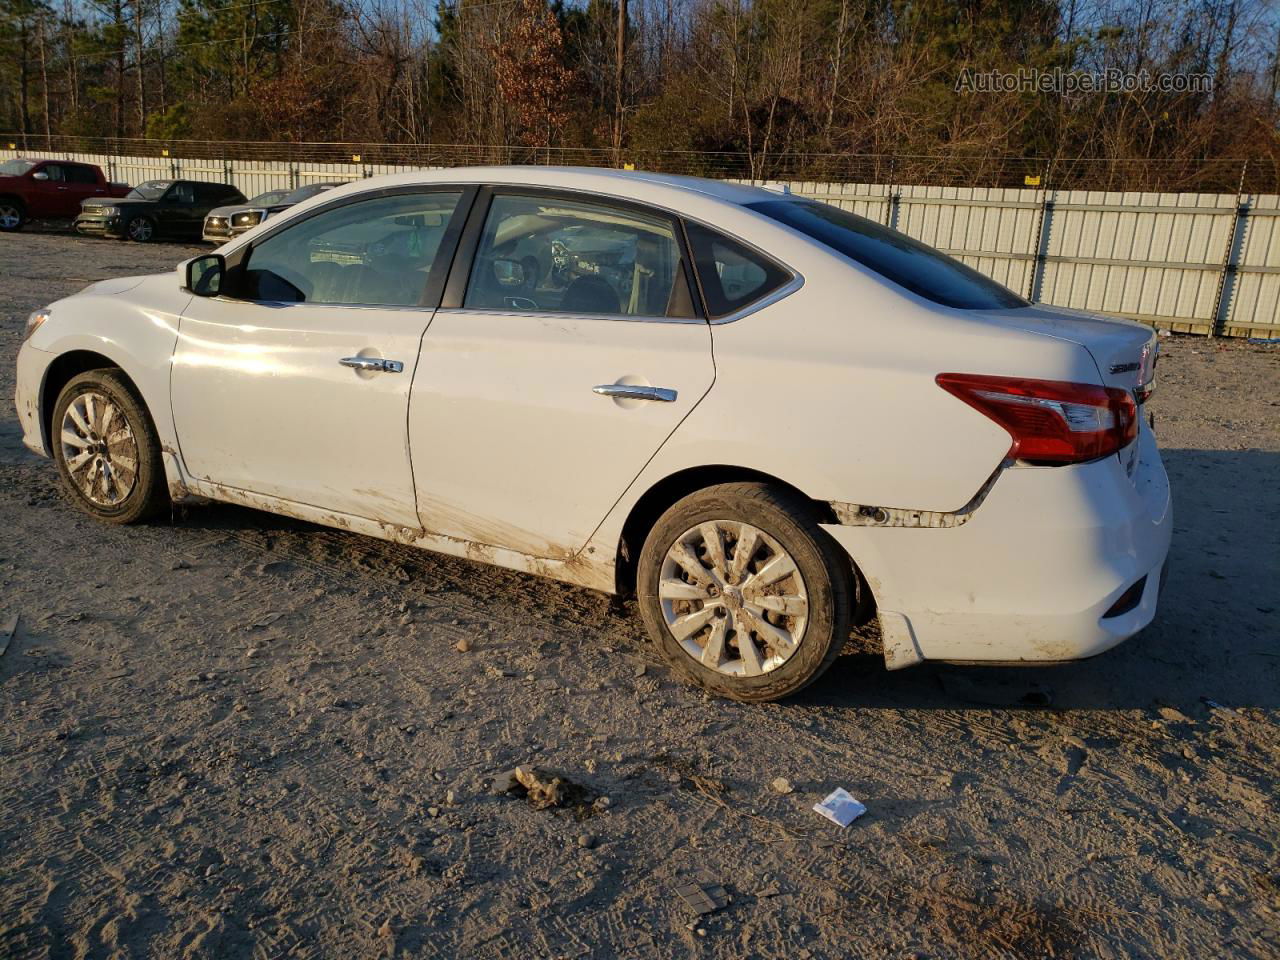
{"points": [[39, 175], [203, 275], [508, 273]]}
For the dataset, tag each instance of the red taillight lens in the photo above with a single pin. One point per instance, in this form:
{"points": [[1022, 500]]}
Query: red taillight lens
{"points": [[1051, 421]]}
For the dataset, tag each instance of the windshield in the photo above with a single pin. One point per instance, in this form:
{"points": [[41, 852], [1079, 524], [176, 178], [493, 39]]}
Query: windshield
{"points": [[151, 190], [909, 263], [270, 197], [16, 168]]}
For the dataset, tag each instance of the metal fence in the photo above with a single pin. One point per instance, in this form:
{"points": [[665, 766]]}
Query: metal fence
{"points": [[1204, 263]]}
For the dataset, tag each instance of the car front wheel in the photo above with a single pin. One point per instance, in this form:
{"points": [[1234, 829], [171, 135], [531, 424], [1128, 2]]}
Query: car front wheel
{"points": [[106, 449], [743, 592], [140, 230]]}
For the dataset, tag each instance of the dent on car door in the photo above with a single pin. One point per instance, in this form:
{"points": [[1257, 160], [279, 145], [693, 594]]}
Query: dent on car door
{"points": [[556, 368]]}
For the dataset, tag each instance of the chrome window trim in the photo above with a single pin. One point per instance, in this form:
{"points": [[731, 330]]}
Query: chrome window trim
{"points": [[781, 293], [303, 304], [571, 315]]}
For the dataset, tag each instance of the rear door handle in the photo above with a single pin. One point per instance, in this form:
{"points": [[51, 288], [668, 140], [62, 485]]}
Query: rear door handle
{"points": [[627, 391], [375, 364]]}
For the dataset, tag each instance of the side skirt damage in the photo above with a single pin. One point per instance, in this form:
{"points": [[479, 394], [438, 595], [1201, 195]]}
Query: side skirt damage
{"points": [[579, 571]]}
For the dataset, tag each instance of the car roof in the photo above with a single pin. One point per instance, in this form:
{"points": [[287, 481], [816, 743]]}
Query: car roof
{"points": [[637, 185]]}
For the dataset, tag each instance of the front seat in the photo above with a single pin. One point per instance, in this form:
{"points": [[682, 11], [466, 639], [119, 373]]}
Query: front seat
{"points": [[590, 295]]}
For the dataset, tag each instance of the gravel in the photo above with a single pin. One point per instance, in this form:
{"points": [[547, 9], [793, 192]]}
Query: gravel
{"points": [[145, 815]]}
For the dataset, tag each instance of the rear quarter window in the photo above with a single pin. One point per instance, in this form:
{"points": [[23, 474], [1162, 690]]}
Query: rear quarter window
{"points": [[902, 260], [732, 275]]}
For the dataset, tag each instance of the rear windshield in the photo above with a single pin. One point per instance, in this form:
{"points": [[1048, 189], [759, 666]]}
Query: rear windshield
{"points": [[16, 168], [151, 190], [895, 256]]}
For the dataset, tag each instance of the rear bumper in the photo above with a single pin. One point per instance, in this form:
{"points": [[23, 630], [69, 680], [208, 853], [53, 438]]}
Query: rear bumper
{"points": [[1032, 574], [31, 368]]}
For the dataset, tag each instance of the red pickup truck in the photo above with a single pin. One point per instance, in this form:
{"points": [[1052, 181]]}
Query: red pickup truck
{"points": [[34, 189]]}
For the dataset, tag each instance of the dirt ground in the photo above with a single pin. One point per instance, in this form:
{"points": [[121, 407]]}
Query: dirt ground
{"points": [[235, 735]]}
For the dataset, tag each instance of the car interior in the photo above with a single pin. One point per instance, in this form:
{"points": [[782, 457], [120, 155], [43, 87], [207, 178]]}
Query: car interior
{"points": [[538, 255]]}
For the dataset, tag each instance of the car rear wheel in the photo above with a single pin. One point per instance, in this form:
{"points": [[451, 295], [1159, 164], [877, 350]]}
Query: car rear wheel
{"points": [[743, 592], [140, 229], [106, 450], [12, 213]]}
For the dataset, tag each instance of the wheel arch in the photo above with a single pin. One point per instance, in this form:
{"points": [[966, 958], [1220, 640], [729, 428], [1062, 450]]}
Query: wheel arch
{"points": [[664, 493], [60, 372]]}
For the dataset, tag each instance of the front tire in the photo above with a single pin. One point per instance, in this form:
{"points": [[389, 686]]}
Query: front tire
{"points": [[12, 214], [140, 229], [106, 449], [743, 592]]}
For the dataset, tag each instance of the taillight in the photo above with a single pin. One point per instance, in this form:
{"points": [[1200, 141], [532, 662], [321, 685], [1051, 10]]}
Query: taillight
{"points": [[1051, 421]]}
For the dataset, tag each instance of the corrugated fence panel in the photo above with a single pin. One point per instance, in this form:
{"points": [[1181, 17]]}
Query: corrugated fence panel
{"points": [[870, 200], [1255, 288], [1150, 256], [1157, 257]]}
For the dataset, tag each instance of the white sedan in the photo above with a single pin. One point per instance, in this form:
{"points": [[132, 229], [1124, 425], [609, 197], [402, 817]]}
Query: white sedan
{"points": [[765, 417]]}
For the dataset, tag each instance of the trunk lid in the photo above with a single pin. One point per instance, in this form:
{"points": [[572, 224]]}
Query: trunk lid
{"points": [[1124, 351]]}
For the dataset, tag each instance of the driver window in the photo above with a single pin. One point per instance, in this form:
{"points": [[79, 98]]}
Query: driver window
{"points": [[375, 252], [550, 255], [181, 193]]}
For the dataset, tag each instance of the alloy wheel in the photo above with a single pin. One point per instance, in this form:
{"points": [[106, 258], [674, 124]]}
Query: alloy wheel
{"points": [[10, 216], [140, 230], [99, 449], [733, 598]]}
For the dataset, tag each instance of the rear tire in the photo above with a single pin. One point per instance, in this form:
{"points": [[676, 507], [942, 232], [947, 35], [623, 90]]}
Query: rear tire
{"points": [[13, 214], [754, 627], [140, 229], [106, 449]]}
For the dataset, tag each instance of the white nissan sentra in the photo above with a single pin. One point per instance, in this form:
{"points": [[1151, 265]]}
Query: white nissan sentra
{"points": [[766, 418]]}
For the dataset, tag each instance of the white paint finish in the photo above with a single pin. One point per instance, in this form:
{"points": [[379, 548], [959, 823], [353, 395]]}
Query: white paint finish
{"points": [[133, 322], [1031, 573], [516, 460], [845, 400], [28, 377], [262, 404], [512, 448]]}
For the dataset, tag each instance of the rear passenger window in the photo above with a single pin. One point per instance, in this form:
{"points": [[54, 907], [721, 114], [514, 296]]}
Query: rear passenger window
{"points": [[551, 255], [78, 174], [733, 276]]}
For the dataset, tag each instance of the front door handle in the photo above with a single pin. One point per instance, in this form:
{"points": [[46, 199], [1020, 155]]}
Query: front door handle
{"points": [[628, 391], [374, 364]]}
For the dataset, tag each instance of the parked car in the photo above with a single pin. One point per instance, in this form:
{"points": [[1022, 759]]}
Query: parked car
{"points": [[223, 223], [155, 209], [765, 417], [35, 189]]}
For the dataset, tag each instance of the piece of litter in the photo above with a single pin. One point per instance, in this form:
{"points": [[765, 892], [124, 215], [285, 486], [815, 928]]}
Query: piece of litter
{"points": [[7, 633], [701, 892], [543, 789], [840, 807], [782, 785]]}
